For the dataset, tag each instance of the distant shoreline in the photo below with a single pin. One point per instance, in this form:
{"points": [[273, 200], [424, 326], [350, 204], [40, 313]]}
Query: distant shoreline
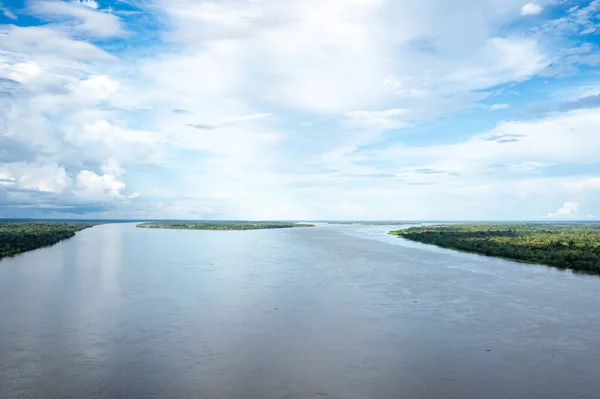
{"points": [[222, 225], [565, 246], [19, 237]]}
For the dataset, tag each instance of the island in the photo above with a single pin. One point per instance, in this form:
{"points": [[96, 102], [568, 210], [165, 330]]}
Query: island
{"points": [[20, 236], [573, 246], [222, 225]]}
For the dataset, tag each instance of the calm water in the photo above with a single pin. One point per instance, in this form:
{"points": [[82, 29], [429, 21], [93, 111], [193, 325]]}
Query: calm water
{"points": [[327, 312]]}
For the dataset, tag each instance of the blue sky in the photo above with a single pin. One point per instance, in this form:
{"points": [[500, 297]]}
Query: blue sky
{"points": [[300, 109]]}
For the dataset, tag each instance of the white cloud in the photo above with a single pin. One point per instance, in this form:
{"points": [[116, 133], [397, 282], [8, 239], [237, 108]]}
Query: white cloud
{"points": [[53, 178], [95, 88], [376, 120], [89, 185], [241, 119], [33, 176], [563, 138], [112, 167], [7, 13], [99, 139], [292, 104], [483, 169], [88, 3], [528, 166], [578, 19], [589, 30], [405, 88], [500, 60], [245, 118], [40, 40], [497, 107], [79, 16], [568, 209], [104, 131], [592, 183], [531, 9], [23, 72], [335, 57]]}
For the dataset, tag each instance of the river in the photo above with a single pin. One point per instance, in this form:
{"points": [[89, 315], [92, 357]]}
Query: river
{"points": [[325, 312]]}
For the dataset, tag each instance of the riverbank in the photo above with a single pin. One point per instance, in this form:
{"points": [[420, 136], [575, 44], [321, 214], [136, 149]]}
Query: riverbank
{"points": [[19, 237], [568, 246], [222, 225]]}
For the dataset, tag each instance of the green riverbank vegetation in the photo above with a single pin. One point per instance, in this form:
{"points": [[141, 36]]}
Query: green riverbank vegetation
{"points": [[222, 225], [571, 246], [17, 237]]}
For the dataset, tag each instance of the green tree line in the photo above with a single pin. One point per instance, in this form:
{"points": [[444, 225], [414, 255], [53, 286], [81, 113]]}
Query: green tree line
{"points": [[17, 237], [572, 246], [224, 225]]}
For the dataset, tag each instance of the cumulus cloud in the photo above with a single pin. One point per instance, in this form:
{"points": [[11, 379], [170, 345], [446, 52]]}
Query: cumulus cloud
{"points": [[112, 167], [42, 177], [88, 3], [101, 138], [94, 88], [91, 186], [531, 9], [568, 209], [49, 186], [290, 109], [351, 48]]}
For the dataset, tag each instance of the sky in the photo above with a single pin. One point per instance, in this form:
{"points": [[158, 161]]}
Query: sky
{"points": [[300, 109]]}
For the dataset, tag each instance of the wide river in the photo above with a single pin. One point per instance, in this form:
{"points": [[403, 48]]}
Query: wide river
{"points": [[326, 312]]}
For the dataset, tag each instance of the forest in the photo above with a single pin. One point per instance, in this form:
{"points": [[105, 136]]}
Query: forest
{"points": [[19, 236], [222, 225], [570, 246]]}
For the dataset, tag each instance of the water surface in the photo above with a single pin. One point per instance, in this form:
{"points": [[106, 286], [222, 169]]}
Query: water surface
{"points": [[327, 312]]}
